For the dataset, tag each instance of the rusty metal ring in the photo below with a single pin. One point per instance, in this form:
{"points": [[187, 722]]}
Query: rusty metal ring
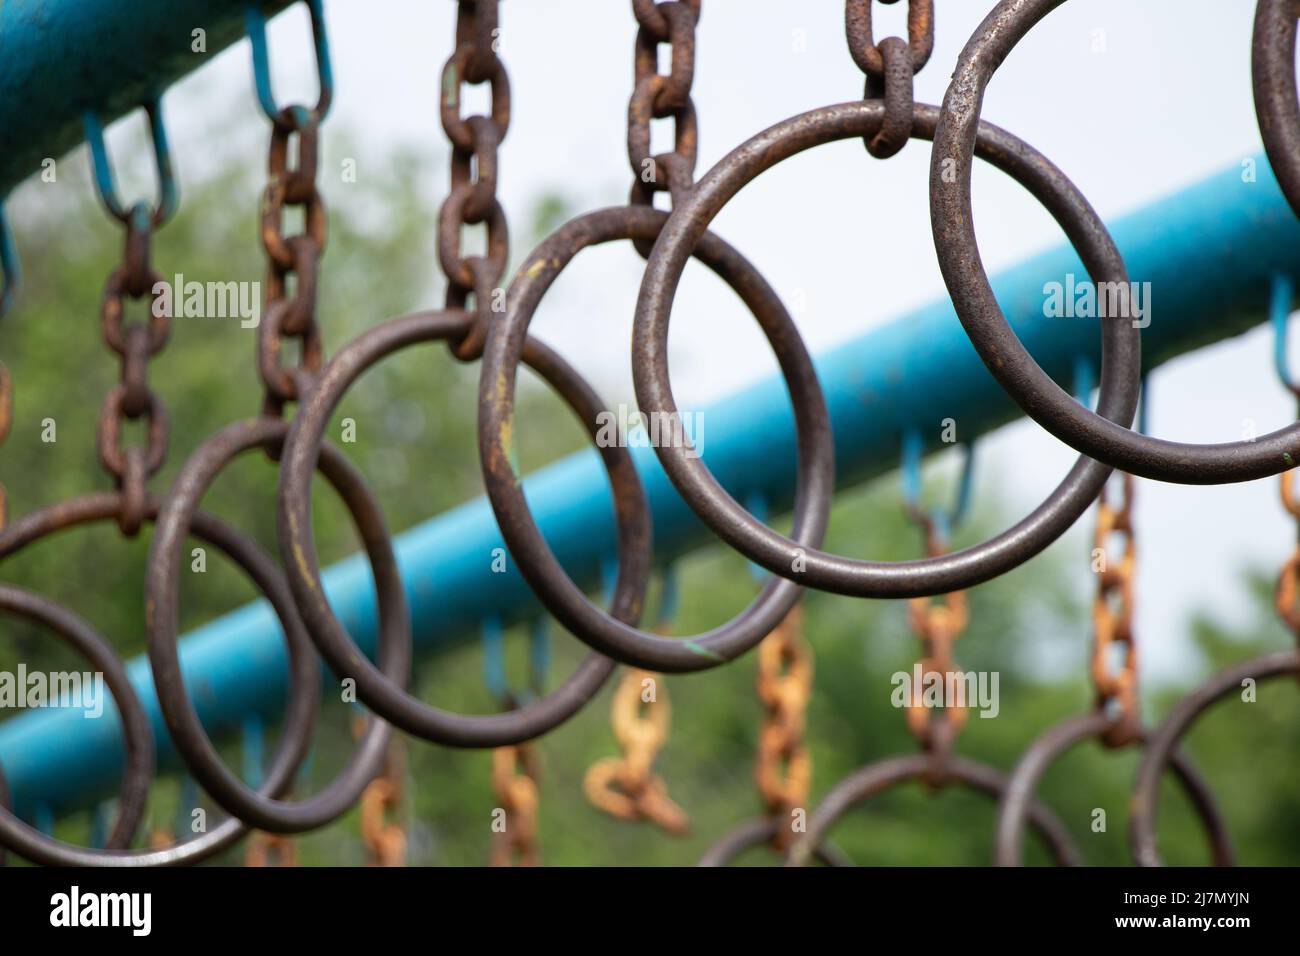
{"points": [[885, 774], [1065, 735], [288, 756], [1272, 69], [996, 342], [137, 735], [162, 598], [760, 832], [298, 546], [956, 570], [1160, 746], [564, 599]]}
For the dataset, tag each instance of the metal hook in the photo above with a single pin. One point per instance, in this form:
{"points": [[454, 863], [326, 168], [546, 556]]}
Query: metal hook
{"points": [[105, 183], [255, 25], [944, 521]]}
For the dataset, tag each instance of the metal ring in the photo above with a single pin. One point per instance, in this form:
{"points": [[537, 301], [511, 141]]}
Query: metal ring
{"points": [[1011, 364], [1043, 751], [722, 513], [298, 546], [162, 586], [137, 735], [1272, 72], [885, 774], [38, 847], [1161, 744], [759, 832], [556, 590]]}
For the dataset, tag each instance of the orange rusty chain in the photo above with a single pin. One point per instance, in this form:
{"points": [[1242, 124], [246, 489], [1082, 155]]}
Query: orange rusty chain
{"points": [[516, 768], [1112, 616], [783, 769], [484, 318], [382, 833], [937, 623], [516, 771], [1116, 718], [641, 715], [1287, 594]]}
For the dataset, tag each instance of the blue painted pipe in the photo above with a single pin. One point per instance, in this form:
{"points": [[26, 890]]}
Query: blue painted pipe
{"points": [[61, 58], [1210, 252]]}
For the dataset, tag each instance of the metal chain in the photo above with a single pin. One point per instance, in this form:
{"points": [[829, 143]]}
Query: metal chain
{"points": [[659, 96], [938, 623], [291, 317], [472, 200], [890, 67], [135, 343], [1112, 617], [515, 775], [783, 769], [1287, 593], [270, 849], [382, 833], [627, 786]]}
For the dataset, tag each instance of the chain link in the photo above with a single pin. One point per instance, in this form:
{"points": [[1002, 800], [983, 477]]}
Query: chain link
{"points": [[783, 769], [938, 623], [382, 833], [659, 96], [890, 67], [472, 200], [515, 775], [627, 786], [1112, 616]]}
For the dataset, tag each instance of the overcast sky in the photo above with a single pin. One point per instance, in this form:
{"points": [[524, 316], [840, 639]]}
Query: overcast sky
{"points": [[1131, 98]]}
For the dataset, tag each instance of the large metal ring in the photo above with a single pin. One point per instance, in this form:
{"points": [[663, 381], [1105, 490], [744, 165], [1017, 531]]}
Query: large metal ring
{"points": [[1160, 746], [288, 756], [759, 832], [885, 774], [1008, 850], [828, 572], [505, 347], [137, 735], [162, 598], [1011, 364], [297, 543], [1272, 70]]}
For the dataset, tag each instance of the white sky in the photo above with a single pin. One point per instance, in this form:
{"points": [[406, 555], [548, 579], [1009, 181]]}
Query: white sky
{"points": [[1166, 101]]}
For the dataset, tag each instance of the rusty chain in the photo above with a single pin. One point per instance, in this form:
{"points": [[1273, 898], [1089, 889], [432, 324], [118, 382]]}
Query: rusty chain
{"points": [[783, 769], [627, 786], [1112, 617], [472, 199], [480, 321], [937, 624], [516, 771]]}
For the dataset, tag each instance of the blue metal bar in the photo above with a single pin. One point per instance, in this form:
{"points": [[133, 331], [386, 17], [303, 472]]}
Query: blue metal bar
{"points": [[1209, 251], [60, 58]]}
